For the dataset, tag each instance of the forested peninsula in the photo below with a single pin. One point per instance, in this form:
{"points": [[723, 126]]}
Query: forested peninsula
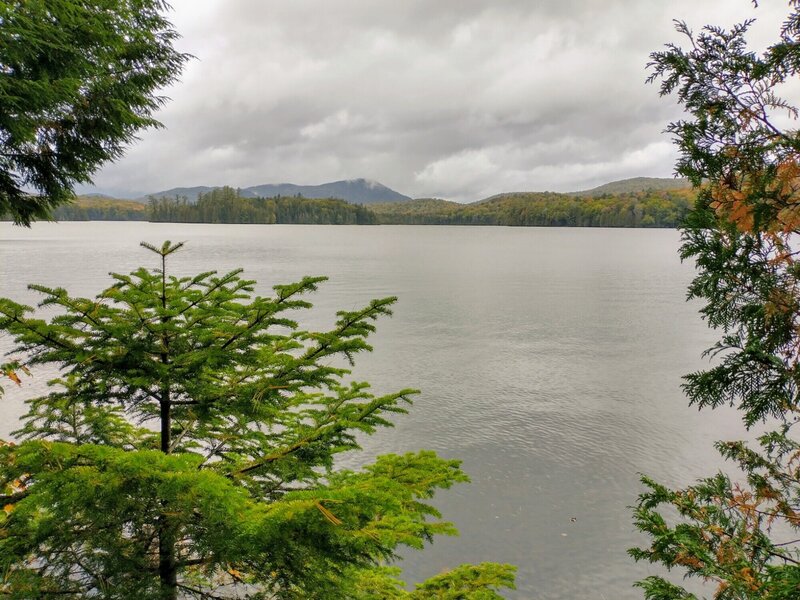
{"points": [[643, 208]]}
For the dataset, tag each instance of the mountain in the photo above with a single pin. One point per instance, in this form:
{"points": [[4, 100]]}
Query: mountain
{"points": [[636, 184], [189, 192], [355, 191]]}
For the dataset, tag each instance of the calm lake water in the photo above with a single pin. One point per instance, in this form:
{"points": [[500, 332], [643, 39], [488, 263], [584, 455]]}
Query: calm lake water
{"points": [[549, 359]]}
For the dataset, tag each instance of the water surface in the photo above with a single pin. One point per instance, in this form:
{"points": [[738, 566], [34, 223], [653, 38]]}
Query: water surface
{"points": [[549, 359]]}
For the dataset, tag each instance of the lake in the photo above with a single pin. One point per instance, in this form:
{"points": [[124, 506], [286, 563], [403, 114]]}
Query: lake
{"points": [[549, 360]]}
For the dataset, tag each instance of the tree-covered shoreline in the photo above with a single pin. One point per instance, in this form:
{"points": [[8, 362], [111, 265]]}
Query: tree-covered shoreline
{"points": [[546, 209], [635, 209], [226, 205]]}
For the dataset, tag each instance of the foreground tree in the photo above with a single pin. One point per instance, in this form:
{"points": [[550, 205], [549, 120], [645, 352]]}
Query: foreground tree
{"points": [[78, 80], [187, 450], [739, 533]]}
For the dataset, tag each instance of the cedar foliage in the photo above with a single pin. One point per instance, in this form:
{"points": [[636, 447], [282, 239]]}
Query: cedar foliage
{"points": [[187, 449], [739, 533], [78, 80]]}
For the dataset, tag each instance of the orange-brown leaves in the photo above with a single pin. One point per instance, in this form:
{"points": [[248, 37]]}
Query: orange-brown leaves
{"points": [[731, 205], [737, 201], [745, 502], [726, 553], [786, 188], [780, 301], [746, 576], [11, 373], [787, 178], [687, 560]]}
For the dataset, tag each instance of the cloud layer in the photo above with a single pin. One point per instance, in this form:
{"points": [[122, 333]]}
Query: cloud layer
{"points": [[457, 99]]}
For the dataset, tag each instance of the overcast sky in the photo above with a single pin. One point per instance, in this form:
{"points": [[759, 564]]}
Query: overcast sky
{"points": [[456, 99]]}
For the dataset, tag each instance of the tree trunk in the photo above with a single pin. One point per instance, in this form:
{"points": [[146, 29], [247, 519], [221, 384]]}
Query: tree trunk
{"points": [[167, 570], [166, 421]]}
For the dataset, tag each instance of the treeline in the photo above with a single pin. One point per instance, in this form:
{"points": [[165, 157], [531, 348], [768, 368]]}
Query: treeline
{"points": [[652, 208], [634, 209], [78, 212], [100, 208], [225, 205]]}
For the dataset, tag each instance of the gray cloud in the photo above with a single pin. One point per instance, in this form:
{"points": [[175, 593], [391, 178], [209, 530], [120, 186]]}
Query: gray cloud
{"points": [[455, 98]]}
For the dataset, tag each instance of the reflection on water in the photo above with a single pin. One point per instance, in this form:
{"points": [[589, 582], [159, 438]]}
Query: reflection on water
{"points": [[549, 360]]}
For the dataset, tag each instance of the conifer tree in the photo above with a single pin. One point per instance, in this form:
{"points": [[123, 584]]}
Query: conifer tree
{"points": [[738, 532], [78, 80], [187, 450]]}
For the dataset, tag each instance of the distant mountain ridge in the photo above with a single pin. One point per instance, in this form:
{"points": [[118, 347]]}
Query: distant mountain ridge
{"points": [[365, 191], [637, 202], [355, 191]]}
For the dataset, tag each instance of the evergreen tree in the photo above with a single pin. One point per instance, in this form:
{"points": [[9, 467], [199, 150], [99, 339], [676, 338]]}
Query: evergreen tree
{"points": [[187, 449], [739, 532], [78, 80]]}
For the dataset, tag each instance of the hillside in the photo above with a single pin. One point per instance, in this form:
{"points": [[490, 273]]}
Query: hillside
{"points": [[636, 184], [546, 209], [95, 207], [422, 211], [102, 201]]}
